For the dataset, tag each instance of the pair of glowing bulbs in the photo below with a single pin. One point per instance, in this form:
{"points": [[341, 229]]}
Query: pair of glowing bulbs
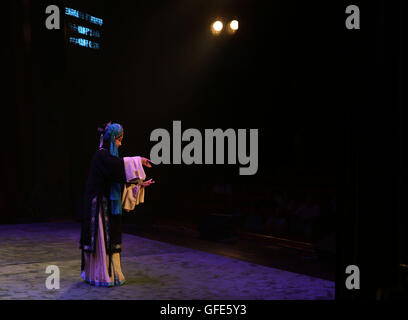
{"points": [[217, 26]]}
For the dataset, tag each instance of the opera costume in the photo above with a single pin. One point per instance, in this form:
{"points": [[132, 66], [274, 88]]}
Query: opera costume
{"points": [[101, 229]]}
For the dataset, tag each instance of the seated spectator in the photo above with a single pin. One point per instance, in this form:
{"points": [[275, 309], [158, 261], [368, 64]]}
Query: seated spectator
{"points": [[305, 217], [277, 223]]}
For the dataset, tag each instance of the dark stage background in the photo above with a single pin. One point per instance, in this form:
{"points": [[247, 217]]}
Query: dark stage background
{"points": [[157, 64], [328, 103]]}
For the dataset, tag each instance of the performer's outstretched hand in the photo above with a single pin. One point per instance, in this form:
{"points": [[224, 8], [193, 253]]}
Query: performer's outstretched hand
{"points": [[146, 162], [147, 183]]}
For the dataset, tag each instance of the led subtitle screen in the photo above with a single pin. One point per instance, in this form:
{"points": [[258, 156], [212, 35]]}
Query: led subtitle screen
{"points": [[83, 29]]}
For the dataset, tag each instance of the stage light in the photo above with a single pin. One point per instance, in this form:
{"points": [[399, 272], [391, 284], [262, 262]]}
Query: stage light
{"points": [[234, 25], [217, 27]]}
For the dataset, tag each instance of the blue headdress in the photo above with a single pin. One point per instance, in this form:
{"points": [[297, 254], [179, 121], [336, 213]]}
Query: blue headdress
{"points": [[114, 131]]}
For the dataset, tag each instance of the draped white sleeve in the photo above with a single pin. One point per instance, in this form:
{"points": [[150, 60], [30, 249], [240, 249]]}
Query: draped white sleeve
{"points": [[133, 192], [134, 169]]}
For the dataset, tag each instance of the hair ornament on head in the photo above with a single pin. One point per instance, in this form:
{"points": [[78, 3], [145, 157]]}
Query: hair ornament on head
{"points": [[102, 131]]}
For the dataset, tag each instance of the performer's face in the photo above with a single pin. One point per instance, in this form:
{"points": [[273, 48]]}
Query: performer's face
{"points": [[119, 141]]}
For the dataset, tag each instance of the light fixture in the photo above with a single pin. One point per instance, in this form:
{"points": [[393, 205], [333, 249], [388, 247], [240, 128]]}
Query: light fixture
{"points": [[217, 27], [234, 25]]}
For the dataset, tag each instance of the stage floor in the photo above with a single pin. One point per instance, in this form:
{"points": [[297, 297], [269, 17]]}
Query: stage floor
{"points": [[153, 270]]}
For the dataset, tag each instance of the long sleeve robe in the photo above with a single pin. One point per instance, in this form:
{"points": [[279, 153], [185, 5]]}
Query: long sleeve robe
{"points": [[104, 170]]}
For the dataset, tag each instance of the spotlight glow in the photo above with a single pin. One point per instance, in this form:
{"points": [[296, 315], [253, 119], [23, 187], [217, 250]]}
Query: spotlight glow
{"points": [[217, 26], [234, 25]]}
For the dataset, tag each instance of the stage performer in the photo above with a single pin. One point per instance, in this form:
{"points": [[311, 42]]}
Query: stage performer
{"points": [[101, 230]]}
